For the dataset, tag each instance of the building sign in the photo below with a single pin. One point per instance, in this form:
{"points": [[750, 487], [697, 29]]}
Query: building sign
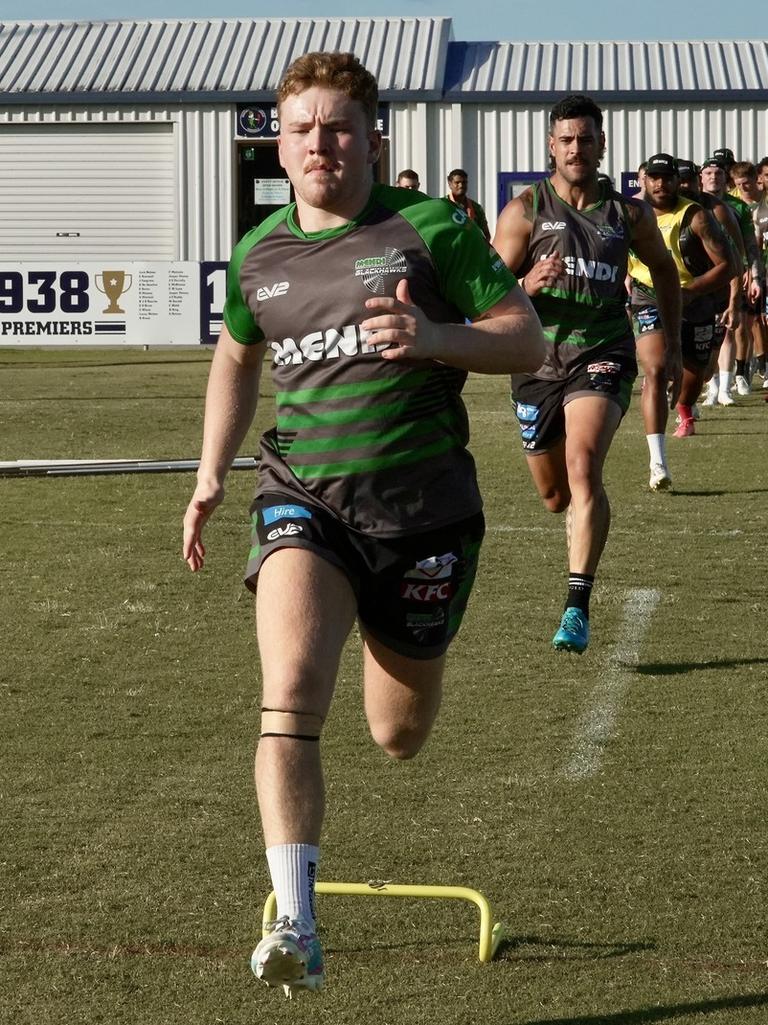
{"points": [[271, 191], [629, 183], [260, 121], [213, 292], [382, 120], [107, 303]]}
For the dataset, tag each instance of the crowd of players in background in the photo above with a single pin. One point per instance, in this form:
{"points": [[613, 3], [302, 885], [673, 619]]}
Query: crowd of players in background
{"points": [[737, 194], [725, 331]]}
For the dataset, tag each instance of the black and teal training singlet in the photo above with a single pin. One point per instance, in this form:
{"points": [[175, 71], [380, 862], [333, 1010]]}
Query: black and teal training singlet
{"points": [[585, 310], [381, 444]]}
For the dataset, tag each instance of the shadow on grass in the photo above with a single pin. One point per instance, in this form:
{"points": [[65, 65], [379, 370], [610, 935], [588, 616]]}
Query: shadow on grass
{"points": [[594, 951], [648, 1015], [673, 668], [680, 493]]}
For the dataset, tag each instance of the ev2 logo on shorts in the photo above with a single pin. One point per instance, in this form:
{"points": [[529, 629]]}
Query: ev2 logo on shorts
{"points": [[289, 530]]}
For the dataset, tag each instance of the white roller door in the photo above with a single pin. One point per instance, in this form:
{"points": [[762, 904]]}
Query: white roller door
{"points": [[87, 191]]}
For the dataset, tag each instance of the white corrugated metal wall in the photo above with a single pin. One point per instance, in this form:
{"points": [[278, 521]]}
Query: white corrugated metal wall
{"points": [[87, 191], [485, 138], [430, 137], [204, 141]]}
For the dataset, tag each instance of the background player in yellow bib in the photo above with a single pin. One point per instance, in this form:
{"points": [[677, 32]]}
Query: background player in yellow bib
{"points": [[702, 259]]}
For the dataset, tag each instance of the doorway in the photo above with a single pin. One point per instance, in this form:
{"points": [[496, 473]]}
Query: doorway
{"points": [[262, 184]]}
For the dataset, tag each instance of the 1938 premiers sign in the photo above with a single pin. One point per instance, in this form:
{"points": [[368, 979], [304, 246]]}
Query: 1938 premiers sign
{"points": [[100, 303]]}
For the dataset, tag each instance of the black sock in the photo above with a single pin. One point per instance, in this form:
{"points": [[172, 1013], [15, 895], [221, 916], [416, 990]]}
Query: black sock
{"points": [[579, 590], [761, 362], [741, 368]]}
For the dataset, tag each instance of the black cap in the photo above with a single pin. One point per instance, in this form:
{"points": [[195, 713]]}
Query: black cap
{"points": [[726, 155], [661, 163], [713, 162], [686, 169]]}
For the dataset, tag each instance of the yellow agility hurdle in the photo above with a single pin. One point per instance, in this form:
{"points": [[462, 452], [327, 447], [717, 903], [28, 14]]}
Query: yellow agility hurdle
{"points": [[491, 935]]}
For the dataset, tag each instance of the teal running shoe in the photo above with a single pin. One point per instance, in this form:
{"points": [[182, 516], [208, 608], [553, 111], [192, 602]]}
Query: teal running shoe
{"points": [[573, 634], [289, 956]]}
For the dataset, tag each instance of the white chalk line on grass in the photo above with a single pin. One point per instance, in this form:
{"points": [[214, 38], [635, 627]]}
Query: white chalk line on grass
{"points": [[556, 528], [598, 724]]}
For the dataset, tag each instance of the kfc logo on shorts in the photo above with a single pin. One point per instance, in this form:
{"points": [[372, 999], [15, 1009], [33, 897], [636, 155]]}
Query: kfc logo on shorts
{"points": [[412, 591], [289, 530]]}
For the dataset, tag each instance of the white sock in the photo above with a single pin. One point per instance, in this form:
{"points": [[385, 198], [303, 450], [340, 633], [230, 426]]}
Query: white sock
{"points": [[726, 380], [293, 868], [657, 446], [714, 384]]}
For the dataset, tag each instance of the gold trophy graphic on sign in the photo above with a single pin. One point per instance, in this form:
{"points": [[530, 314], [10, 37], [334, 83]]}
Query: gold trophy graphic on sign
{"points": [[112, 283]]}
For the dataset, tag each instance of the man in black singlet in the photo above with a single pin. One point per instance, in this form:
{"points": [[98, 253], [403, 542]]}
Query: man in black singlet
{"points": [[728, 302], [568, 237]]}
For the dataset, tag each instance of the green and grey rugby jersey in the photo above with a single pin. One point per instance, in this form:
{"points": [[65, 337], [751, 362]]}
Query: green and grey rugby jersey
{"points": [[746, 225], [585, 310], [382, 444]]}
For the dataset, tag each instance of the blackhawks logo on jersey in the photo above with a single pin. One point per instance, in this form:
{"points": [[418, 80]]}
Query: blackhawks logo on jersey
{"points": [[373, 269]]}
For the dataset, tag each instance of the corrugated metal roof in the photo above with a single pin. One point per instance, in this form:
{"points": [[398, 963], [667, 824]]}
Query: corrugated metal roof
{"points": [[225, 59], [216, 59], [609, 70]]}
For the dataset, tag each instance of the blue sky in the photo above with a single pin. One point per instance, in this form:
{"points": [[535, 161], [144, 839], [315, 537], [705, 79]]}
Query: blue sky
{"points": [[472, 19]]}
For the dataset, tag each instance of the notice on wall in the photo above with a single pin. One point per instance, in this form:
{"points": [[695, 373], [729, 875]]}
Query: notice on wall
{"points": [[271, 191], [106, 303]]}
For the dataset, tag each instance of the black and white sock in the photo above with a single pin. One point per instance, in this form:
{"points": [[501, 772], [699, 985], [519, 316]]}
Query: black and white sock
{"points": [[579, 590]]}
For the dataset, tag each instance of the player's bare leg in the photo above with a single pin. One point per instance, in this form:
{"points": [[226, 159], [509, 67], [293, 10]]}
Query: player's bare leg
{"points": [[590, 425], [651, 354], [725, 370], [693, 380], [402, 697], [305, 608], [744, 354]]}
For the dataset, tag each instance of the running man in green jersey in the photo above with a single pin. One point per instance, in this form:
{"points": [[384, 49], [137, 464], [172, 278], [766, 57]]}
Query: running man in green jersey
{"points": [[367, 506], [569, 236]]}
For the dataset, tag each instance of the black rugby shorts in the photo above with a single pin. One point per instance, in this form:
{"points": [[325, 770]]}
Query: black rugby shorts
{"points": [[540, 404], [411, 591], [697, 341]]}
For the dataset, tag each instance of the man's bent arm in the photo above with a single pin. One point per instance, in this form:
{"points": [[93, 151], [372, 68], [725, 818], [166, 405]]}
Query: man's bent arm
{"points": [[716, 245], [505, 339], [513, 231]]}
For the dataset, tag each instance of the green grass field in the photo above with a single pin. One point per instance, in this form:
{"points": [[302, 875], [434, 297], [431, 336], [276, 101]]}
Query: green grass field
{"points": [[132, 875]]}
